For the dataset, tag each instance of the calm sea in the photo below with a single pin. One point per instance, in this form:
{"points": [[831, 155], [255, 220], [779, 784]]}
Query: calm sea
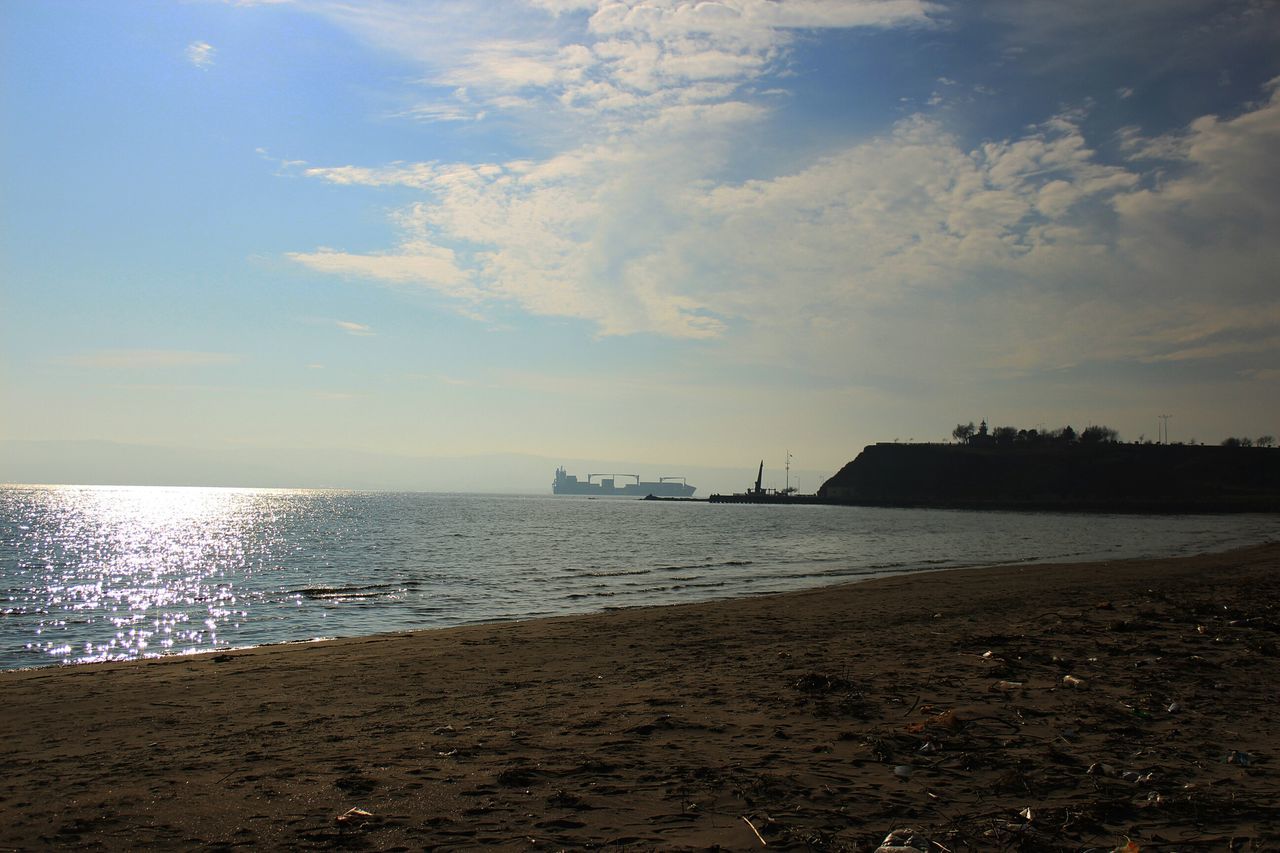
{"points": [[99, 573]]}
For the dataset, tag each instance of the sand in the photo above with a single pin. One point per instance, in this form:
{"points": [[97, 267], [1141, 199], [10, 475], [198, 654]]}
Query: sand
{"points": [[819, 720]]}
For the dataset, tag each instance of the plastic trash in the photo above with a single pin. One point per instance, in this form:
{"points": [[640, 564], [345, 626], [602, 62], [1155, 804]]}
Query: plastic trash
{"points": [[1006, 686], [903, 841], [903, 771], [1073, 681]]}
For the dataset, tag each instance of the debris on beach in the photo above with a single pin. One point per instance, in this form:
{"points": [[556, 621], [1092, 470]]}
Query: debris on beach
{"points": [[1005, 686], [903, 841], [355, 817]]}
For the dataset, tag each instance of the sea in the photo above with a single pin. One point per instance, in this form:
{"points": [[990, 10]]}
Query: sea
{"points": [[96, 573]]}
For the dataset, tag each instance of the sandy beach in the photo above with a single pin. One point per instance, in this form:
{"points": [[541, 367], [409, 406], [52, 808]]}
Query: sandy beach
{"points": [[1069, 707]]}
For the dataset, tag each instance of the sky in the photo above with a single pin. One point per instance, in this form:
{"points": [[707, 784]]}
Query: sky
{"points": [[683, 233]]}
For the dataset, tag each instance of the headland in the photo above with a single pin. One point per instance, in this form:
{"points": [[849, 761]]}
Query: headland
{"points": [[1102, 476]]}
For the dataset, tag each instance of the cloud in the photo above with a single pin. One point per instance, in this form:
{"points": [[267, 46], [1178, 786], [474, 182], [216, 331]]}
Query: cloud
{"points": [[116, 359], [201, 54], [1034, 251], [602, 57], [417, 175], [567, 236], [1031, 252], [415, 262], [440, 111], [357, 329]]}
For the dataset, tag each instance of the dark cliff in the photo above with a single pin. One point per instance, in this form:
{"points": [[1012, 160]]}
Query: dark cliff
{"points": [[1105, 477]]}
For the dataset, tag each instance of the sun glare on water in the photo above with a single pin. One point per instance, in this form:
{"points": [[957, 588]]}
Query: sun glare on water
{"points": [[144, 567]]}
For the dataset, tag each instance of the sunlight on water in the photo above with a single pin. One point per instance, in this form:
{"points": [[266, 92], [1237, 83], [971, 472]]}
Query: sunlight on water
{"points": [[144, 570], [114, 573]]}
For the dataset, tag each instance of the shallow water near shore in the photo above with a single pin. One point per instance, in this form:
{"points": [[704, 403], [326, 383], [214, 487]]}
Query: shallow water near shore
{"points": [[114, 573]]}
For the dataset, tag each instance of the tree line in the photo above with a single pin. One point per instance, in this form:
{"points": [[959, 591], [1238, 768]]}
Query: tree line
{"points": [[1245, 441], [969, 434], [1006, 435]]}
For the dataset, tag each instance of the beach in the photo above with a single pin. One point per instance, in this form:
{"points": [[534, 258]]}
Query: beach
{"points": [[1072, 707]]}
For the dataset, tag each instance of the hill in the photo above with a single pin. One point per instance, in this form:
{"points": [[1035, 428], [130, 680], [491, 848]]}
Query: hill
{"points": [[1062, 476]]}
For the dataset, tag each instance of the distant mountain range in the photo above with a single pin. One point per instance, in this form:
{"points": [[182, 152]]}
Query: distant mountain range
{"points": [[110, 463]]}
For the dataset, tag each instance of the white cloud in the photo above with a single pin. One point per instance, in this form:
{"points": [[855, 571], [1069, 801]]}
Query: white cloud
{"points": [[598, 57], [1026, 253], [1042, 254], [440, 111], [358, 329], [201, 54], [418, 175], [415, 262]]}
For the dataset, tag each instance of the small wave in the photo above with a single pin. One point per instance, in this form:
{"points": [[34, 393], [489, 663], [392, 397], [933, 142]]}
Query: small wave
{"points": [[706, 564], [321, 593]]}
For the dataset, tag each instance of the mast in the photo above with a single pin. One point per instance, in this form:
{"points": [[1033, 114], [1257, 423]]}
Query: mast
{"points": [[759, 478]]}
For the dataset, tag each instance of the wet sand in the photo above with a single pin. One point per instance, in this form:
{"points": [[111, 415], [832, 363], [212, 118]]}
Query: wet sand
{"points": [[813, 720]]}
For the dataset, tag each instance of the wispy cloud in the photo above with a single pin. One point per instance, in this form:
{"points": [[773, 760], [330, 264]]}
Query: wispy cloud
{"points": [[358, 329], [1029, 232], [147, 358], [1042, 251], [600, 57], [201, 54]]}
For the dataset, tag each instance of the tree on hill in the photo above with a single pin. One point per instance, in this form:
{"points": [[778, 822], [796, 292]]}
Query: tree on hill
{"points": [[1066, 434], [1005, 434], [963, 432], [1098, 435], [1265, 441]]}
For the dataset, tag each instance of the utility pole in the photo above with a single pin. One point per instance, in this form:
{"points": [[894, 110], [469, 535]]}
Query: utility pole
{"points": [[1164, 423]]}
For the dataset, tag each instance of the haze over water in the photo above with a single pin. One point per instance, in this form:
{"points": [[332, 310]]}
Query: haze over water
{"points": [[106, 573]]}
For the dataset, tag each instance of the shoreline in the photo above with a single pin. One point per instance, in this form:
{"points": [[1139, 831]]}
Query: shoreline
{"points": [[825, 717]]}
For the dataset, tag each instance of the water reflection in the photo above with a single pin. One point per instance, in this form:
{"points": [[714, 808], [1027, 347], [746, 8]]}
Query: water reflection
{"points": [[93, 573], [138, 570]]}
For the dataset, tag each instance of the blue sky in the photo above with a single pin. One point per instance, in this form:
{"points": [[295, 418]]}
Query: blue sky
{"points": [[684, 233]]}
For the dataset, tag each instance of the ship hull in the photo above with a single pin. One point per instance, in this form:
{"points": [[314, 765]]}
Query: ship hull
{"points": [[567, 484]]}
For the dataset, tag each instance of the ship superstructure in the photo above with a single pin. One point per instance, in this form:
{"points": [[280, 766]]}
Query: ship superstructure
{"points": [[608, 485]]}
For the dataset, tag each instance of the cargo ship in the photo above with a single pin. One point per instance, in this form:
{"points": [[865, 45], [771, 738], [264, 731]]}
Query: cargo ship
{"points": [[632, 487]]}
